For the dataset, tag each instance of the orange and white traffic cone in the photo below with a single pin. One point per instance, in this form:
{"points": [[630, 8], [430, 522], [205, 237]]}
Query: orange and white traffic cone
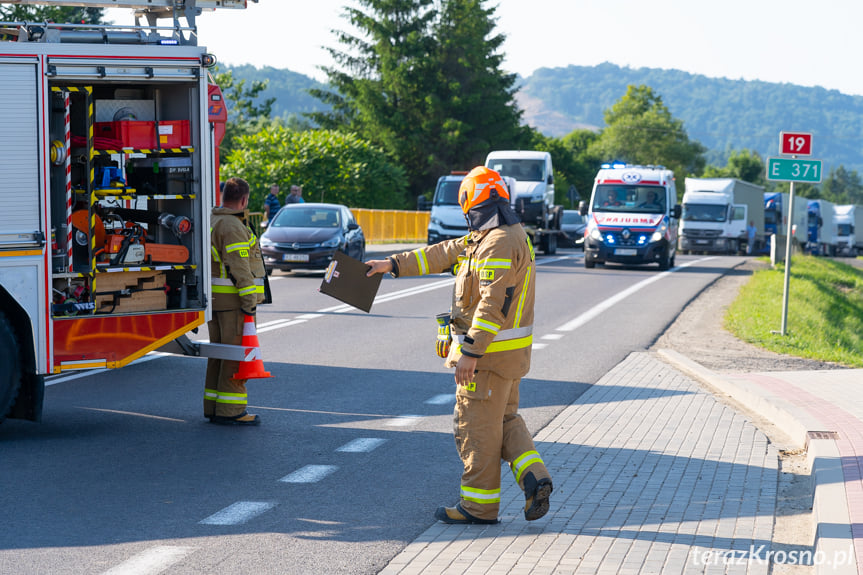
{"points": [[253, 366]]}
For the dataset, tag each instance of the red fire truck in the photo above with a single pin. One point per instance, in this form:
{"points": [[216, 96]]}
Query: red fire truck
{"points": [[109, 156]]}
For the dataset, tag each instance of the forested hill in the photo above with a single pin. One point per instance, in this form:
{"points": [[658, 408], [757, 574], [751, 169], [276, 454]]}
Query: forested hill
{"points": [[722, 114], [719, 113]]}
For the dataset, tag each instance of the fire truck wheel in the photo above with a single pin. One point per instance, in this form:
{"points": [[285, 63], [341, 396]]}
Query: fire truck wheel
{"points": [[10, 366]]}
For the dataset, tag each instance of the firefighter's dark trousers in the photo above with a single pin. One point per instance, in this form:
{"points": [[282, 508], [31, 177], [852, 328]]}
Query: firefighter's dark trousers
{"points": [[223, 395], [488, 428]]}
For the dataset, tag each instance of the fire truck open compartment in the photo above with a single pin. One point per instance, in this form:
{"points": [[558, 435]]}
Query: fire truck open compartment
{"points": [[125, 192]]}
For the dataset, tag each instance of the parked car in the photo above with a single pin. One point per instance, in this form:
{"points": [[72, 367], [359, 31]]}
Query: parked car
{"points": [[573, 224], [306, 236]]}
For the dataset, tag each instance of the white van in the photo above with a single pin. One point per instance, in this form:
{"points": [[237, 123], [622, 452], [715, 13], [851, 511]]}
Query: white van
{"points": [[533, 196], [446, 220]]}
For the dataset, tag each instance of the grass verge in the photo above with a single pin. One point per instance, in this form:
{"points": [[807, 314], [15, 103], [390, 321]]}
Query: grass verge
{"points": [[825, 311]]}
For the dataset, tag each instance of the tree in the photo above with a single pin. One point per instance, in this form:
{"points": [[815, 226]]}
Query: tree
{"points": [[19, 13], [744, 165], [331, 166], [842, 187], [640, 130], [245, 117], [424, 84]]}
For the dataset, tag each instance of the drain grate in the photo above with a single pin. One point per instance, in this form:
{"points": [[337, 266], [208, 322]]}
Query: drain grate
{"points": [[810, 435], [822, 434]]}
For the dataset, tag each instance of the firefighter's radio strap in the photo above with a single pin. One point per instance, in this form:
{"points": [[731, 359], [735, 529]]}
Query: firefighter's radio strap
{"points": [[444, 335]]}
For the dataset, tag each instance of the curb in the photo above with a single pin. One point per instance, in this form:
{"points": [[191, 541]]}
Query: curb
{"points": [[830, 515]]}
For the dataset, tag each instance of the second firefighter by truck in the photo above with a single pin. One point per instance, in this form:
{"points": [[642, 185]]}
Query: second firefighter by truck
{"points": [[491, 323]]}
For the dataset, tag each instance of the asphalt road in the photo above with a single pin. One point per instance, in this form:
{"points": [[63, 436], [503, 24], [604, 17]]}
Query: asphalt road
{"points": [[124, 475]]}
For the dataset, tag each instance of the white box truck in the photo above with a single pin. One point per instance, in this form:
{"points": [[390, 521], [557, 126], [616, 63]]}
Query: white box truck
{"points": [[849, 229], [716, 213]]}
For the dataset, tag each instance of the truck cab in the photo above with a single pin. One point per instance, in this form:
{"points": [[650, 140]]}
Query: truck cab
{"points": [[533, 193], [632, 216]]}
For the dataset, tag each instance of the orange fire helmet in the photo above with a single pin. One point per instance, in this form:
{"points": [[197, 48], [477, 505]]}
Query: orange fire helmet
{"points": [[479, 186]]}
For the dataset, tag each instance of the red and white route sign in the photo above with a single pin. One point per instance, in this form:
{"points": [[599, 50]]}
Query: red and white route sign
{"points": [[795, 143]]}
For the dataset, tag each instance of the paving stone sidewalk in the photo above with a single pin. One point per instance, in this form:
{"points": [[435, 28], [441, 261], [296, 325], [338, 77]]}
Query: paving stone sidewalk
{"points": [[652, 475]]}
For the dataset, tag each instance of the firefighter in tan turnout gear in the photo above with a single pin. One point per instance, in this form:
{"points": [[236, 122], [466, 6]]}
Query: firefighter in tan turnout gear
{"points": [[491, 325], [238, 287]]}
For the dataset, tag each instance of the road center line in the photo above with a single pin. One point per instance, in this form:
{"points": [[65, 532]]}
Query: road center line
{"points": [[150, 562], [362, 445], [620, 296], [238, 513], [309, 474]]}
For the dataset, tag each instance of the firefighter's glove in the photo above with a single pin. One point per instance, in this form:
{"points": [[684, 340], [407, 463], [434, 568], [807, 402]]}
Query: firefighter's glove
{"points": [[444, 336], [248, 313]]}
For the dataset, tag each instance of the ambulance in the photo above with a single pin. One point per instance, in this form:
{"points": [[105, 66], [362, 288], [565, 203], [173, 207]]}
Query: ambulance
{"points": [[633, 216]]}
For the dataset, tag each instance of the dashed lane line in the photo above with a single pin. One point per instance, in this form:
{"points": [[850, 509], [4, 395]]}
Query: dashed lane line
{"points": [[309, 474], [151, 561], [362, 445], [238, 513]]}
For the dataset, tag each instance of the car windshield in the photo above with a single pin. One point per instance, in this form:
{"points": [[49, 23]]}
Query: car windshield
{"points": [[571, 217], [704, 213], [307, 218], [522, 170], [844, 229], [629, 199], [447, 193]]}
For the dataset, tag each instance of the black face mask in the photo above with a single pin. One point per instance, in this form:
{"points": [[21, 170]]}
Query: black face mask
{"points": [[491, 214]]}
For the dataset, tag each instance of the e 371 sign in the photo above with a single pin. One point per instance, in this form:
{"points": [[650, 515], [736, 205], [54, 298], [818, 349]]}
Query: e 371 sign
{"points": [[795, 144]]}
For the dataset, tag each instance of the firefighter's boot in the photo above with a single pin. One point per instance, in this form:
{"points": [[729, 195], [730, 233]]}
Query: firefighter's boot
{"points": [[536, 494], [457, 515], [244, 418]]}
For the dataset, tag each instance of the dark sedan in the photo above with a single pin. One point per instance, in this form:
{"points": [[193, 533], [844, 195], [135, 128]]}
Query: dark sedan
{"points": [[305, 237]]}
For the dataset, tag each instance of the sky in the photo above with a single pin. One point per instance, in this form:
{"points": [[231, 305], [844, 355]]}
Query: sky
{"points": [[786, 41]]}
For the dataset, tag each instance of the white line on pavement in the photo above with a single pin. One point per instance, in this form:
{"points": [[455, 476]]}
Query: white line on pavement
{"points": [[150, 562], [620, 296], [441, 399], [403, 420], [309, 474], [362, 445], [238, 513]]}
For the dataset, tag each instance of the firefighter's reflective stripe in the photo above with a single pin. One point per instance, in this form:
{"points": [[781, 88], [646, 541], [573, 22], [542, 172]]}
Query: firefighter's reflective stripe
{"points": [[520, 307], [211, 394], [522, 462], [497, 263], [485, 325], [242, 247], [224, 285], [232, 398], [422, 262], [506, 340], [480, 495]]}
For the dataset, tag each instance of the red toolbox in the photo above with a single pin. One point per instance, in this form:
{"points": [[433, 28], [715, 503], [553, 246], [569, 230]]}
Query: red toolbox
{"points": [[142, 135], [174, 134]]}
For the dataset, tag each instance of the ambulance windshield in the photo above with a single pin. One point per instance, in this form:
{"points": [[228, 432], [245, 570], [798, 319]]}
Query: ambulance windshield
{"points": [[629, 199]]}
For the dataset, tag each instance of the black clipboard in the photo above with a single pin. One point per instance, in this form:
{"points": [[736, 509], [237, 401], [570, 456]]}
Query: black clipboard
{"points": [[345, 280]]}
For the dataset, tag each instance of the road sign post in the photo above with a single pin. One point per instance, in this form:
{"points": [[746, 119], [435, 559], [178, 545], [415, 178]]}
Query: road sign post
{"points": [[792, 170]]}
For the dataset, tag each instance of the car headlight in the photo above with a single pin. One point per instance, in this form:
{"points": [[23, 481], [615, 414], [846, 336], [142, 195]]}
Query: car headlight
{"points": [[434, 221], [594, 233], [659, 233], [333, 242], [265, 243]]}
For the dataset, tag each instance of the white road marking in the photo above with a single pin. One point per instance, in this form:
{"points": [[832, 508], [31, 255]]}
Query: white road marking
{"points": [[620, 296], [238, 513], [150, 562], [539, 346], [309, 474], [552, 336], [441, 399], [362, 445], [403, 420], [280, 325]]}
